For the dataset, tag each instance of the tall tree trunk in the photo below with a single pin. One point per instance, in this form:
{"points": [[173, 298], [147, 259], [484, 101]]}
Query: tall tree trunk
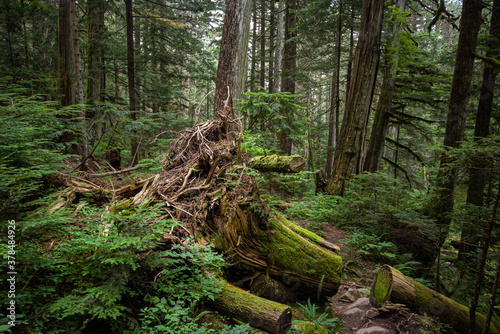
{"points": [[348, 155], [333, 115], [477, 171], [351, 53], [65, 55], [279, 47], [232, 67], [95, 60], [272, 27], [288, 77], [254, 46], [442, 204], [79, 86], [131, 75], [262, 44], [95, 53], [376, 145]]}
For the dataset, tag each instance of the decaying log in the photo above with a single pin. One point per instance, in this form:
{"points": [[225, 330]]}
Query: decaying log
{"points": [[260, 313], [391, 285], [276, 248], [272, 289], [278, 164]]}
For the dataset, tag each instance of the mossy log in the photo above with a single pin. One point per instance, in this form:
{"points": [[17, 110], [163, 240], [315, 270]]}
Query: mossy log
{"points": [[269, 243], [278, 164], [260, 313], [392, 285]]}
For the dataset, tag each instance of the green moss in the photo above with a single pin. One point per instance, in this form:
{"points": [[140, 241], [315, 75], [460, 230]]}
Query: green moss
{"points": [[383, 286], [307, 327], [303, 232], [121, 206], [287, 249]]}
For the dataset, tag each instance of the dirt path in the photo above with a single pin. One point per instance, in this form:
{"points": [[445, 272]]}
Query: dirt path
{"points": [[351, 304]]}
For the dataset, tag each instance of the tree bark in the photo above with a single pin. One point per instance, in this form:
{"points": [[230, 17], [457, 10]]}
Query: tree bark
{"points": [[258, 312], [391, 285], [289, 67], [349, 151], [232, 67], [442, 204]]}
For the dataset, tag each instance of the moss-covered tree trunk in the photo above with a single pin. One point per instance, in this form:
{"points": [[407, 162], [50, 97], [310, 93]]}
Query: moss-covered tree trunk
{"points": [[260, 313], [392, 285]]}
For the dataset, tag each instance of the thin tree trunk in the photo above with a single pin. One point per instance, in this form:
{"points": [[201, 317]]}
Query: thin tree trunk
{"points": [[333, 116], [271, 45], [279, 47], [351, 54], [66, 55], [79, 87], [254, 46], [348, 154], [290, 54], [481, 265], [262, 44], [131, 75]]}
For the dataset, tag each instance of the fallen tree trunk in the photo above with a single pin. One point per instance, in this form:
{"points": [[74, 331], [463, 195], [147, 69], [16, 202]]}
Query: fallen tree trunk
{"points": [[278, 164], [392, 285], [260, 313]]}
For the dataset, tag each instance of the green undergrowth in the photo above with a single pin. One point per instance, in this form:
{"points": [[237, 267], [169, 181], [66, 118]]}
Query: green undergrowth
{"points": [[379, 214], [91, 270]]}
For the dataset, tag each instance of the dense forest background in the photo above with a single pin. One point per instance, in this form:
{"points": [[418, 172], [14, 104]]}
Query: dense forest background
{"points": [[392, 105]]}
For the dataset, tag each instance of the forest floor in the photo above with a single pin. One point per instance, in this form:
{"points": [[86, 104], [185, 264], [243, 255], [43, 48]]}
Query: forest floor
{"points": [[350, 304]]}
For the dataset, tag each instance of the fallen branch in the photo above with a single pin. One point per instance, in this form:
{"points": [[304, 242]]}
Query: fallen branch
{"points": [[114, 173]]}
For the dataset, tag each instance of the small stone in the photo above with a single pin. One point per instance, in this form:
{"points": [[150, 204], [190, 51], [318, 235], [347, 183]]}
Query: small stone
{"points": [[353, 312], [347, 297], [373, 330], [371, 313], [361, 302]]}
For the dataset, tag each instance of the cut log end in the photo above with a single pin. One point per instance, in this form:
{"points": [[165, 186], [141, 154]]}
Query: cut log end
{"points": [[391, 285]]}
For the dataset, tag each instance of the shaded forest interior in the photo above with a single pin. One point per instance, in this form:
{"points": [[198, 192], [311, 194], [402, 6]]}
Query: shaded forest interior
{"points": [[249, 166]]}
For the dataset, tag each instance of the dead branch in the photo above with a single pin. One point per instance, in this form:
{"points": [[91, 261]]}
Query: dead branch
{"points": [[114, 173]]}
